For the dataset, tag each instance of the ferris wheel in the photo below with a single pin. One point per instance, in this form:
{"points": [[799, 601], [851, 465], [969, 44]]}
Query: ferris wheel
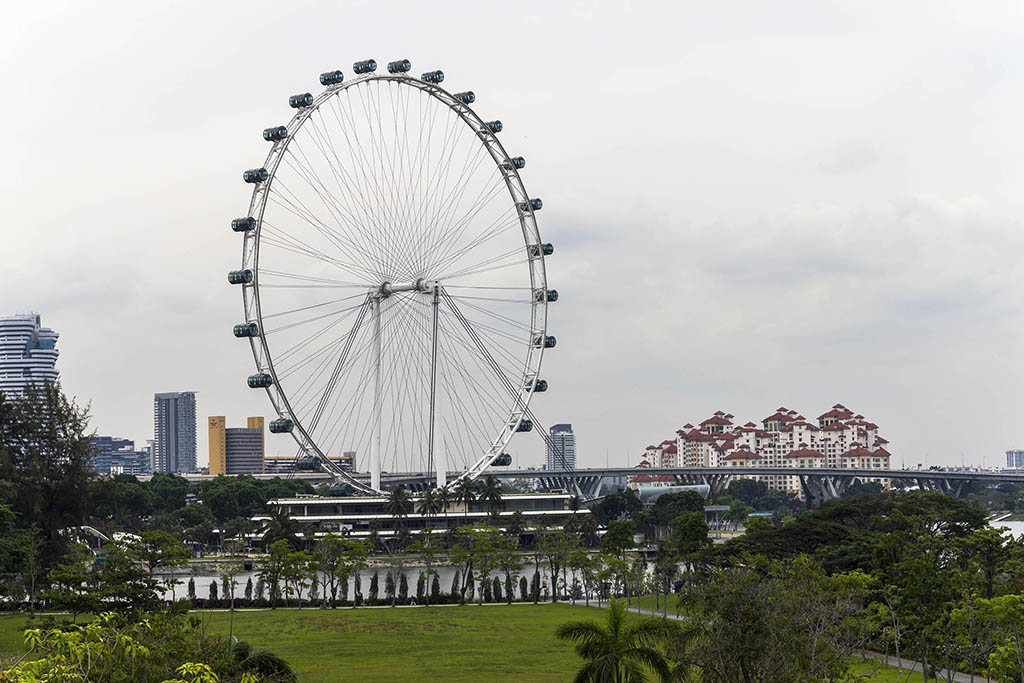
{"points": [[393, 279]]}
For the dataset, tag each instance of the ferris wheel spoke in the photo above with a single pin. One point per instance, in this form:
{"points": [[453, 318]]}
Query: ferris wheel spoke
{"points": [[312, 306], [451, 232], [361, 215], [348, 233], [497, 228], [372, 194], [306, 216], [340, 236], [438, 196], [461, 383], [299, 345], [446, 201], [310, 278], [292, 325]]}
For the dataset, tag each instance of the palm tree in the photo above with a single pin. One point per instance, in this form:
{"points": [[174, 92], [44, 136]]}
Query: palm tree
{"points": [[429, 504], [281, 525], [398, 503], [444, 498], [464, 493], [490, 492], [619, 650]]}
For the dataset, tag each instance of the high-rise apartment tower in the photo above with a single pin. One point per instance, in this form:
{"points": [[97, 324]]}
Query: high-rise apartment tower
{"points": [[562, 448], [174, 432], [28, 353]]}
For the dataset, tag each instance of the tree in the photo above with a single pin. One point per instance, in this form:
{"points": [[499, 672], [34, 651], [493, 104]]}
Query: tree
{"points": [[581, 564], [464, 492], [618, 650], [159, 550], [273, 570], [668, 506], [281, 527], [45, 450], [426, 549], [619, 538], [398, 503], [72, 585], [429, 504], [333, 570], [403, 588], [166, 646], [556, 546], [373, 587], [490, 492], [689, 534], [508, 562], [781, 621]]}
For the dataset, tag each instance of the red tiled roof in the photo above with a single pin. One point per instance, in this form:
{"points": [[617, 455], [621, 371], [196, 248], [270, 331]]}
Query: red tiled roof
{"points": [[743, 454], [881, 453], [804, 453], [835, 427], [856, 452], [715, 420], [670, 449]]}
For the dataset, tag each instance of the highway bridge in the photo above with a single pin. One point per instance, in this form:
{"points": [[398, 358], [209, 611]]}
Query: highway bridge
{"points": [[818, 484]]}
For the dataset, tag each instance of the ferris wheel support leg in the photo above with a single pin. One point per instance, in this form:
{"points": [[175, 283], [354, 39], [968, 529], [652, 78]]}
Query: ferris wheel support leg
{"points": [[375, 437], [433, 396]]}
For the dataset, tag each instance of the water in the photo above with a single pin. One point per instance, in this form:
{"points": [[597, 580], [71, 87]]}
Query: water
{"points": [[1016, 528], [445, 575]]}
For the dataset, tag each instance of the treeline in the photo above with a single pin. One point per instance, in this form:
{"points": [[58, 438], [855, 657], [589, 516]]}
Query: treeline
{"points": [[48, 486], [918, 575]]}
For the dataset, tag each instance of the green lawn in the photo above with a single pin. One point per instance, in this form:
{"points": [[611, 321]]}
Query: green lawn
{"points": [[493, 642]]}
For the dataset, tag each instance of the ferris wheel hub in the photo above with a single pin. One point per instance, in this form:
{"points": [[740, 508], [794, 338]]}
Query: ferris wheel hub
{"points": [[421, 285]]}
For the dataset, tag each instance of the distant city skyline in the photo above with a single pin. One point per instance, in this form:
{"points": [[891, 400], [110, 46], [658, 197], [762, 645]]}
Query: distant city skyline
{"points": [[751, 207]]}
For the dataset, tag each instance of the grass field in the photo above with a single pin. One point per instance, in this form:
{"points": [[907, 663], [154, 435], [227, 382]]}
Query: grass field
{"points": [[470, 643]]}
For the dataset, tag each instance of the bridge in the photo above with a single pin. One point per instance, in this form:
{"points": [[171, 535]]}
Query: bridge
{"points": [[818, 484]]}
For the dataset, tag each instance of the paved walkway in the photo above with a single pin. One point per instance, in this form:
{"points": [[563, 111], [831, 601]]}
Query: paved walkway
{"points": [[910, 666]]}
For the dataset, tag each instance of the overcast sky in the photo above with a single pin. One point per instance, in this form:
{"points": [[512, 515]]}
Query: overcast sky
{"points": [[753, 204]]}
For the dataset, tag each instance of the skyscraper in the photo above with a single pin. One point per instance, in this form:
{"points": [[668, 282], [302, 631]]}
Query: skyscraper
{"points": [[236, 450], [562, 448], [174, 432], [28, 353]]}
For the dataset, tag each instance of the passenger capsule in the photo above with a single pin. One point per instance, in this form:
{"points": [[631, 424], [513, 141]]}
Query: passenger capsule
{"points": [[260, 381], [534, 204], [468, 97], [548, 342], [399, 67], [503, 460], [274, 134], [547, 249], [552, 295], [525, 426], [514, 162], [331, 78], [494, 126], [433, 77], [303, 100], [247, 330], [307, 462], [243, 224], [364, 67], [255, 175], [281, 426], [537, 385], [240, 277]]}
